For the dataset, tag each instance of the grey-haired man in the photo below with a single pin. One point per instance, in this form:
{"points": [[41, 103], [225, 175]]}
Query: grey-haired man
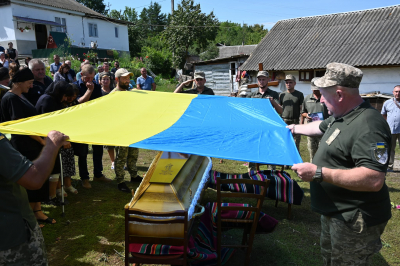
{"points": [[347, 176]]}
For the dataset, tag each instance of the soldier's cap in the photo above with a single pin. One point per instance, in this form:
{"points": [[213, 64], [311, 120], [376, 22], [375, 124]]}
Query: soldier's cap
{"points": [[290, 77], [199, 75], [313, 87], [341, 75], [263, 73], [4, 73], [122, 72]]}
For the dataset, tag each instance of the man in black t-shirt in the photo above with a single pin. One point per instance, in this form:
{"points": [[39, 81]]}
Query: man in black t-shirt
{"points": [[347, 176], [40, 83]]}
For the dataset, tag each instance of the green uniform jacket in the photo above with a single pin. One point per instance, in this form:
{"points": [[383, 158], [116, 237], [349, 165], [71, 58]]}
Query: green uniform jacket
{"points": [[291, 104], [267, 93], [15, 211], [361, 138], [313, 105]]}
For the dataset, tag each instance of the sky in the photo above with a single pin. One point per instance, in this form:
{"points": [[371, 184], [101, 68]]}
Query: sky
{"points": [[261, 12]]}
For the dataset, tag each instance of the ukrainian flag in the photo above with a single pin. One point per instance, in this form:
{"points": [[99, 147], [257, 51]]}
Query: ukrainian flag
{"points": [[215, 126], [380, 145]]}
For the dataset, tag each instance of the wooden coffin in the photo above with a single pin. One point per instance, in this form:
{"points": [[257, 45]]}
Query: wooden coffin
{"points": [[173, 182]]}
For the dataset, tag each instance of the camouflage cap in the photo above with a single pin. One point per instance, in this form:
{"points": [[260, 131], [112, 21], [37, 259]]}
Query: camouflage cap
{"points": [[199, 75], [263, 73], [341, 75], [313, 87], [290, 77]]}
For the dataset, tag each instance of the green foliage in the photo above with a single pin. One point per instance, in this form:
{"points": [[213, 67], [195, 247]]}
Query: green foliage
{"points": [[115, 55], [231, 33], [211, 52], [95, 5], [150, 19], [189, 26], [159, 61]]}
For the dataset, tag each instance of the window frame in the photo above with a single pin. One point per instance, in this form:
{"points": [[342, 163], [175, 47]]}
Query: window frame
{"points": [[63, 22], [116, 32], [94, 25]]}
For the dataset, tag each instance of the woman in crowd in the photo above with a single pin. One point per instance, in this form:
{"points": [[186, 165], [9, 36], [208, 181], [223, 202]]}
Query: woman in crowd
{"points": [[12, 69], [3, 60], [63, 74], [15, 106], [52, 100], [12, 53], [105, 82]]}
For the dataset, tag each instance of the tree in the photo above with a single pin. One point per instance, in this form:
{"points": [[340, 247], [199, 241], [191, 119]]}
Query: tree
{"points": [[211, 52], [188, 26], [231, 33], [151, 18], [95, 5]]}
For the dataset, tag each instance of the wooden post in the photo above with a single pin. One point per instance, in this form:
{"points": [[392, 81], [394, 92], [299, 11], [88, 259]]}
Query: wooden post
{"points": [[260, 67], [172, 7]]}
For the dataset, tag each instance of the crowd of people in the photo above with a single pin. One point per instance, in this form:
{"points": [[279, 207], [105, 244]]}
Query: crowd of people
{"points": [[351, 146]]}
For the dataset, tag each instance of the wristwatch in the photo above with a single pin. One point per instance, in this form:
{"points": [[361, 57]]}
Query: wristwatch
{"points": [[317, 178]]}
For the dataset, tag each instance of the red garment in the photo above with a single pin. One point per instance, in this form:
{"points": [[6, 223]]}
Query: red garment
{"points": [[50, 42]]}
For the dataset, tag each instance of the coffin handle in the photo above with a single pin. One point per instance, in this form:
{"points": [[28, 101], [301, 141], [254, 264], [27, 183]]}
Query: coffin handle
{"points": [[196, 214]]}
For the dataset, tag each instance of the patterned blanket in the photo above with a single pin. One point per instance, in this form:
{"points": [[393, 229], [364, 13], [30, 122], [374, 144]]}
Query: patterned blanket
{"points": [[202, 248], [281, 186]]}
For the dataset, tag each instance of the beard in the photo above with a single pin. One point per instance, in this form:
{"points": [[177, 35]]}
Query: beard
{"points": [[124, 86]]}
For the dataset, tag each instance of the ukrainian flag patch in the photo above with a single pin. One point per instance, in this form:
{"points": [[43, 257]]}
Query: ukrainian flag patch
{"points": [[381, 153]]}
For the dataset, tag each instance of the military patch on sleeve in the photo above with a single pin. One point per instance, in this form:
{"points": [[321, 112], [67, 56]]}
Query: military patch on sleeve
{"points": [[381, 152]]}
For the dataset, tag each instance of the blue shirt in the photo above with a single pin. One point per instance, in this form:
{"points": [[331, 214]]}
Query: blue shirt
{"points": [[96, 78], [97, 92], [145, 84], [54, 68], [390, 109]]}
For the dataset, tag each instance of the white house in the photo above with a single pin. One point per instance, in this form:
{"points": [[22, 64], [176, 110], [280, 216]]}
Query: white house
{"points": [[367, 39], [81, 24]]}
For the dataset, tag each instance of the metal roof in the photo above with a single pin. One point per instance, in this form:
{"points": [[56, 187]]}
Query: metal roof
{"points": [[227, 51], [71, 5], [361, 38]]}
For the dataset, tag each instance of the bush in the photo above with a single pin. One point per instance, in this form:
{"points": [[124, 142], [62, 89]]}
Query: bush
{"points": [[159, 61]]}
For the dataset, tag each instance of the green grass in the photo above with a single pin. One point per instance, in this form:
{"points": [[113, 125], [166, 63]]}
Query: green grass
{"points": [[92, 231]]}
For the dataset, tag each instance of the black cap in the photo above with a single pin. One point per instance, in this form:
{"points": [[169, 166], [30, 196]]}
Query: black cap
{"points": [[22, 75], [4, 73]]}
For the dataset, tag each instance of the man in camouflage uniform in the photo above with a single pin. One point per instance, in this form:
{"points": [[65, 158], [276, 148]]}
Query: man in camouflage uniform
{"points": [[291, 101], [312, 107], [21, 241], [347, 176], [126, 155], [264, 93]]}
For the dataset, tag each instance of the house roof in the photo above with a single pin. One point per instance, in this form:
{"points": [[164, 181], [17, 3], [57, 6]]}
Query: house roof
{"points": [[227, 51], [361, 38], [219, 59], [73, 6]]}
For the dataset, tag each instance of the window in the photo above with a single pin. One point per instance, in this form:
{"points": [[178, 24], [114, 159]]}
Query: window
{"points": [[93, 30], [62, 28], [306, 75], [116, 32], [319, 73]]}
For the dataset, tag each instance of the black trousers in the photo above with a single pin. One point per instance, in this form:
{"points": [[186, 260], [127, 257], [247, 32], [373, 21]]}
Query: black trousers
{"points": [[81, 150]]}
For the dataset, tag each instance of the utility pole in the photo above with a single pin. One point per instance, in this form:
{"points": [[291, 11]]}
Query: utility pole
{"points": [[172, 7]]}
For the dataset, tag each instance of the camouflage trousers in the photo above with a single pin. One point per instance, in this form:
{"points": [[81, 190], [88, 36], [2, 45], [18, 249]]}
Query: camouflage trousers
{"points": [[350, 243], [125, 155], [312, 145], [32, 252], [296, 137]]}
